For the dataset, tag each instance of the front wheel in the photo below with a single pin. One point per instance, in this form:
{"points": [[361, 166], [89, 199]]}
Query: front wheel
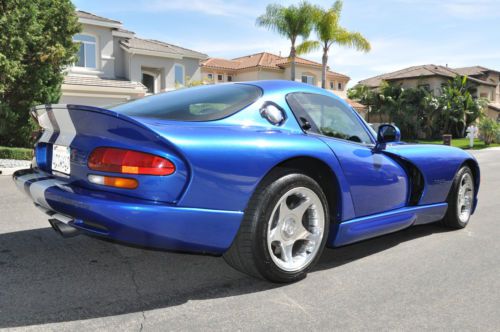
{"points": [[284, 229], [460, 200]]}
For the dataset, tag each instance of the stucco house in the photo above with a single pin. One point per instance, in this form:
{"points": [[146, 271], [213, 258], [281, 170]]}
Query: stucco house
{"points": [[115, 66], [268, 66], [486, 82]]}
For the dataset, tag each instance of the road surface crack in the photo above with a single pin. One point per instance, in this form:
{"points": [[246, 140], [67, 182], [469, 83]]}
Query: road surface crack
{"points": [[137, 291]]}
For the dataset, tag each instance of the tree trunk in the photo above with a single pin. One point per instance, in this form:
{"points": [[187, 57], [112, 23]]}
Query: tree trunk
{"points": [[292, 58], [323, 72]]}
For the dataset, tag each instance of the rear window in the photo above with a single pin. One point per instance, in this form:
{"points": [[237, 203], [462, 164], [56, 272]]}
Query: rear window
{"points": [[203, 103]]}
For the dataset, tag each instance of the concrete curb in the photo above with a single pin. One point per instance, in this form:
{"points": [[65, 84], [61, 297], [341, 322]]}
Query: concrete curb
{"points": [[9, 171]]}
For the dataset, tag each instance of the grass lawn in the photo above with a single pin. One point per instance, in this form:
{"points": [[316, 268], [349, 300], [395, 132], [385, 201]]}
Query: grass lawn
{"points": [[16, 153], [463, 143]]}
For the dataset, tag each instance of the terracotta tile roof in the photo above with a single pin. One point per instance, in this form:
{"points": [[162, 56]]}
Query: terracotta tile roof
{"points": [[90, 16], [162, 47], [355, 104], [97, 81], [474, 70], [263, 59], [415, 72]]}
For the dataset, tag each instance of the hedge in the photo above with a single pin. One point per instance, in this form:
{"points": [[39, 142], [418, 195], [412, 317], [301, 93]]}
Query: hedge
{"points": [[16, 153]]}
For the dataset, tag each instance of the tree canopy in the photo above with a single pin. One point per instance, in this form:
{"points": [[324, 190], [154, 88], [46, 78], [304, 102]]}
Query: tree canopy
{"points": [[291, 22], [36, 44], [329, 32], [420, 113]]}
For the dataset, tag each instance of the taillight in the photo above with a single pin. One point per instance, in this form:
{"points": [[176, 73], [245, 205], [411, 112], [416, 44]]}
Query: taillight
{"points": [[129, 162]]}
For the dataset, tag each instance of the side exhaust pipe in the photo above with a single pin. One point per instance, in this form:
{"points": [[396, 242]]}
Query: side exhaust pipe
{"points": [[63, 229]]}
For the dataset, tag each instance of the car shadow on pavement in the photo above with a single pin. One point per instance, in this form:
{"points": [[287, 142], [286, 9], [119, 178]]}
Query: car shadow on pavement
{"points": [[46, 279]]}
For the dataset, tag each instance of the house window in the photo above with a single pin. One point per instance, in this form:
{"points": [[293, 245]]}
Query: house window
{"points": [[332, 85], [485, 95], [87, 54], [229, 78], [308, 79], [340, 87], [220, 78], [149, 82], [426, 87], [210, 76], [179, 74]]}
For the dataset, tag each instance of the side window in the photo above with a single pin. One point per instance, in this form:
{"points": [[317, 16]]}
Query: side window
{"points": [[87, 51], [179, 74], [329, 116]]}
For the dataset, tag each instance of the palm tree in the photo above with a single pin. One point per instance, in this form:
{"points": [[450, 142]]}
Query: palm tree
{"points": [[330, 32], [292, 22]]}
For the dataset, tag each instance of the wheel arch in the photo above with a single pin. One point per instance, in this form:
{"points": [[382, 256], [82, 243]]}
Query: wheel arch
{"points": [[320, 172]]}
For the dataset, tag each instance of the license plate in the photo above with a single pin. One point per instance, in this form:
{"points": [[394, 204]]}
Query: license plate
{"points": [[61, 159]]}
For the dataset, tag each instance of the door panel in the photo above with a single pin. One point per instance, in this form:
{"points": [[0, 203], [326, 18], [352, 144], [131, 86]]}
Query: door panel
{"points": [[377, 182]]}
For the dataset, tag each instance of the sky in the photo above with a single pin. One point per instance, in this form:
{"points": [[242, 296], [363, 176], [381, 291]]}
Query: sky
{"points": [[402, 33]]}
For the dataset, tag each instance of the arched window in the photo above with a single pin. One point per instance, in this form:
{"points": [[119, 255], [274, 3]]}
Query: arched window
{"points": [[87, 54]]}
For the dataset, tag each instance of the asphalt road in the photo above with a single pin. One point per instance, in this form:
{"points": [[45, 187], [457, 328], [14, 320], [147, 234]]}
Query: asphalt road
{"points": [[421, 278]]}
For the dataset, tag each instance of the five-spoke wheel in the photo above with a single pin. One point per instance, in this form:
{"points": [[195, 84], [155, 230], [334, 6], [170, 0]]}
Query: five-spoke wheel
{"points": [[460, 199], [284, 230], [295, 229]]}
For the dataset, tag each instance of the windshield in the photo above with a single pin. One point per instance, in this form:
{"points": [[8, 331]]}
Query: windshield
{"points": [[203, 103]]}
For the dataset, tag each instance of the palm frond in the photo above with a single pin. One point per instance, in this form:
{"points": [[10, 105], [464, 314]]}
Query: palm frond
{"points": [[308, 46], [353, 40]]}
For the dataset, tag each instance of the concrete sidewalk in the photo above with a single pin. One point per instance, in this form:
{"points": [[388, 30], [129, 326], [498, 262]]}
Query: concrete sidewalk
{"points": [[9, 166]]}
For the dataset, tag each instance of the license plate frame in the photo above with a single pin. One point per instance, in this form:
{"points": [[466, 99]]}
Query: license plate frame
{"points": [[61, 159]]}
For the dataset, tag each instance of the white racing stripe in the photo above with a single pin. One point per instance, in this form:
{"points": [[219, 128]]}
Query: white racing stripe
{"points": [[47, 134], [37, 191], [67, 128], [43, 119], [21, 180]]}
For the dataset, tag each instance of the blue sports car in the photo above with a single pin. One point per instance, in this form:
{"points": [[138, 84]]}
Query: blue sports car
{"points": [[264, 173]]}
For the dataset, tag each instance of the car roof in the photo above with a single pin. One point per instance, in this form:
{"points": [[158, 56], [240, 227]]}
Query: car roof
{"points": [[277, 86]]}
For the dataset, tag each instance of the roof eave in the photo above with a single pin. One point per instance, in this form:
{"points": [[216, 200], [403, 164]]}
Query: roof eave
{"points": [[141, 51], [116, 25]]}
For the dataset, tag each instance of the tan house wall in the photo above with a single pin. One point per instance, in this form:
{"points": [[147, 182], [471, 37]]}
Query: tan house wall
{"points": [[254, 74], [488, 92], [434, 83]]}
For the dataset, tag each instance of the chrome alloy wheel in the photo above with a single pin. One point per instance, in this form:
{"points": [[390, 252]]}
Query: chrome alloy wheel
{"points": [[465, 197], [296, 228]]}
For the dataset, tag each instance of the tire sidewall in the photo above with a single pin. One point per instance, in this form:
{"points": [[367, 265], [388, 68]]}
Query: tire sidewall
{"points": [[268, 200], [453, 215]]}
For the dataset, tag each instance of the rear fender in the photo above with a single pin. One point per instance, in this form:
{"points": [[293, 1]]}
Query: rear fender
{"points": [[84, 128]]}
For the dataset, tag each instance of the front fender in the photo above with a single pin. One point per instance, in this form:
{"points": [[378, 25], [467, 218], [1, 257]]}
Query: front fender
{"points": [[438, 165]]}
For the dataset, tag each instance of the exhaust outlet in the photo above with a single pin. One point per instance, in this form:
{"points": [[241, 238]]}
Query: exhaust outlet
{"points": [[63, 229]]}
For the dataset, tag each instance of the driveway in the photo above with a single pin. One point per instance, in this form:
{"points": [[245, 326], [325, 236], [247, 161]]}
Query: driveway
{"points": [[421, 278]]}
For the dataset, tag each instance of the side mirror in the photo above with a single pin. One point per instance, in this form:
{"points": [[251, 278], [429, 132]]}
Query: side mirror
{"points": [[387, 133]]}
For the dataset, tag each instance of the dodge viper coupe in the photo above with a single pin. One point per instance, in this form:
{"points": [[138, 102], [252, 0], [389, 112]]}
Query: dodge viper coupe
{"points": [[264, 173]]}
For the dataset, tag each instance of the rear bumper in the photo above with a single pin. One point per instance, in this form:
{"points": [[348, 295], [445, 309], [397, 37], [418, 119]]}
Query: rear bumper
{"points": [[130, 220]]}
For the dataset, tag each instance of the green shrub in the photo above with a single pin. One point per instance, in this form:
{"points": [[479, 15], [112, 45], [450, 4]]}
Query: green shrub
{"points": [[16, 153], [489, 129]]}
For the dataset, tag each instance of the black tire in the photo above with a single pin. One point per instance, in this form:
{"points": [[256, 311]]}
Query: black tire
{"points": [[249, 252], [453, 218]]}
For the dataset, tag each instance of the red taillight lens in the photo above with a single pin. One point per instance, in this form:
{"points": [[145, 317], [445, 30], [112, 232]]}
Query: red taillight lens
{"points": [[129, 162]]}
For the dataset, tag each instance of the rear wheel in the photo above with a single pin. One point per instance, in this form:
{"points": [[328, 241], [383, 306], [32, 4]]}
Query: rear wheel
{"points": [[460, 200], [284, 229]]}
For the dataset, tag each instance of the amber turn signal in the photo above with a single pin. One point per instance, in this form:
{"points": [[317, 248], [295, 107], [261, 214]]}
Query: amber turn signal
{"points": [[112, 181]]}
